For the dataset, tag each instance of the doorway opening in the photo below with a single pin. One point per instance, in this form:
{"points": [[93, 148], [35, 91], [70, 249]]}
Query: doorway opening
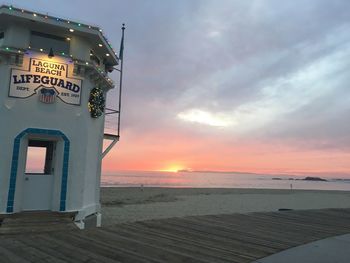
{"points": [[40, 157], [39, 175], [60, 163]]}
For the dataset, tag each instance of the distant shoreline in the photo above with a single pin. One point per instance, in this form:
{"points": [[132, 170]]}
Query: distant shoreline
{"points": [[296, 174], [330, 174], [199, 179]]}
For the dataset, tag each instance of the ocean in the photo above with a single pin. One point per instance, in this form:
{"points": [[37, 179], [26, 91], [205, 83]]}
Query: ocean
{"points": [[220, 180]]}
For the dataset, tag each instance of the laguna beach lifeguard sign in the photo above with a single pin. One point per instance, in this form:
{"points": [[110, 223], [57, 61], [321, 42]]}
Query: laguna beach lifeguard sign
{"points": [[53, 87], [43, 75]]}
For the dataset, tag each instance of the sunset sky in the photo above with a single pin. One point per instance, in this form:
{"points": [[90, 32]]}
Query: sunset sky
{"points": [[254, 86]]}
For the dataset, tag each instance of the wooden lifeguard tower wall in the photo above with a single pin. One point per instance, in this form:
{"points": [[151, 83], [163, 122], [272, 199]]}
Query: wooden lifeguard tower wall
{"points": [[53, 86]]}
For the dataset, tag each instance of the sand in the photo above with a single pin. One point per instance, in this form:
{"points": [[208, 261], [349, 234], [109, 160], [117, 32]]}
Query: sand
{"points": [[132, 204]]}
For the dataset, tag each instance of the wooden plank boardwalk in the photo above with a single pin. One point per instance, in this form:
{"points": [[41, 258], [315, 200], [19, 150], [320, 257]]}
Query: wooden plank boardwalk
{"points": [[214, 238]]}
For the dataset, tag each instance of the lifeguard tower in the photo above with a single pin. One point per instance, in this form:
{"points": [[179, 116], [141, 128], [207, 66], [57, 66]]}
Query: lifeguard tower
{"points": [[54, 81]]}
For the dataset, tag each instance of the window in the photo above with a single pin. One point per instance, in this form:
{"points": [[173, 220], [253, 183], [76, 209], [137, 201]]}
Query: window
{"points": [[59, 45], [94, 58], [39, 157], [2, 35]]}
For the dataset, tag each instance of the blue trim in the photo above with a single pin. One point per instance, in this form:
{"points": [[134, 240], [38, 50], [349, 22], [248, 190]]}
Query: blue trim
{"points": [[14, 165]]}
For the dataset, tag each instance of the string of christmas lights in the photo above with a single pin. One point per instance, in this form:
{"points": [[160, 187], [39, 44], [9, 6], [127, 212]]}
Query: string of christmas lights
{"points": [[80, 62], [11, 8]]}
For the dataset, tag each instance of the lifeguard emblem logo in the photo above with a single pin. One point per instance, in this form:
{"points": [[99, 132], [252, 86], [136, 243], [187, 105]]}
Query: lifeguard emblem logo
{"points": [[47, 95]]}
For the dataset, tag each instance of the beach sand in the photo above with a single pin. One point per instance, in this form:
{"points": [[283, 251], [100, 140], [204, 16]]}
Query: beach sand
{"points": [[131, 204]]}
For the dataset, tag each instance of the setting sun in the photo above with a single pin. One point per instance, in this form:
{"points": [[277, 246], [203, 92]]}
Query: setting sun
{"points": [[172, 168]]}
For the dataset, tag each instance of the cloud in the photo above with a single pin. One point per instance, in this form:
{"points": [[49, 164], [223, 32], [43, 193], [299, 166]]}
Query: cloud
{"points": [[282, 96], [204, 117]]}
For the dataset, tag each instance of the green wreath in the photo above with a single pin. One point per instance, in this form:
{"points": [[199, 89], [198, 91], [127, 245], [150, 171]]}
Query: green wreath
{"points": [[96, 102]]}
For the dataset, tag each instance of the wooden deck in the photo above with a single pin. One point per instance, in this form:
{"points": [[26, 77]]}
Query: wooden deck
{"points": [[220, 238]]}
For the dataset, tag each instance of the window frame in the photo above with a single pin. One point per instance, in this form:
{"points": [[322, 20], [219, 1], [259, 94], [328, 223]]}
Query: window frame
{"points": [[36, 36]]}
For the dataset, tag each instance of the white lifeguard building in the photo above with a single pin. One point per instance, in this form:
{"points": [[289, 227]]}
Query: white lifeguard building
{"points": [[54, 81]]}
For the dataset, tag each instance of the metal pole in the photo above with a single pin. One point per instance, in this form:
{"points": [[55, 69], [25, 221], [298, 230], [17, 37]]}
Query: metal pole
{"points": [[121, 80]]}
